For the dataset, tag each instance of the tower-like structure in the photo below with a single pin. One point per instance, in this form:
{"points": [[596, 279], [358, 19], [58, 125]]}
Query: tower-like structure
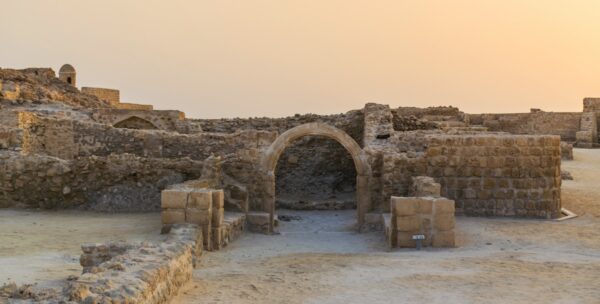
{"points": [[67, 74]]}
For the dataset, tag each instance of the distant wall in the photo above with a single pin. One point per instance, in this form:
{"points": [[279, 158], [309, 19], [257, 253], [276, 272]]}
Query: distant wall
{"points": [[565, 125], [109, 95], [134, 106], [164, 119]]}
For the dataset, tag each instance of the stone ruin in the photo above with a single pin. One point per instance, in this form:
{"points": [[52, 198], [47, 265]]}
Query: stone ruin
{"points": [[405, 170]]}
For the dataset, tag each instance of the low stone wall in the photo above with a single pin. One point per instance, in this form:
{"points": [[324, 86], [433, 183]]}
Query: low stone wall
{"points": [[202, 207], [69, 138], [565, 125], [134, 106], [431, 217], [122, 182], [145, 273]]}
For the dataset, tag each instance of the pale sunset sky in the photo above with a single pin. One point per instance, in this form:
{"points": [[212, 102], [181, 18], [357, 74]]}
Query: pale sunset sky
{"points": [[276, 58]]}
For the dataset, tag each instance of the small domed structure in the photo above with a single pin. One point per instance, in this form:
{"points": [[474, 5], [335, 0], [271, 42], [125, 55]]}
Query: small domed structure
{"points": [[67, 74]]}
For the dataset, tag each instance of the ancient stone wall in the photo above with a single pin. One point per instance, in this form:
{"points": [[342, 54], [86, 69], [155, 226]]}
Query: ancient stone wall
{"points": [[536, 123], [111, 96], [591, 104], [500, 175], [134, 106], [43, 87], [141, 273], [313, 172], [48, 136], [121, 182], [164, 119]]}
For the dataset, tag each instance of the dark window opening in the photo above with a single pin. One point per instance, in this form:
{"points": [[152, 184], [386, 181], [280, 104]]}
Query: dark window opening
{"points": [[69, 80]]}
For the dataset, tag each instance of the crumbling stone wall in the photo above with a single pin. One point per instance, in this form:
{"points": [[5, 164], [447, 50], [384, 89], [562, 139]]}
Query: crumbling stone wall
{"points": [[141, 273], [565, 125], [49, 136], [314, 172], [167, 120], [41, 85], [122, 182], [110, 96]]}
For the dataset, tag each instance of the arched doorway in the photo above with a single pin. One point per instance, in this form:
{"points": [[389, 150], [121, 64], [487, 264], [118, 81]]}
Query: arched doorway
{"points": [[135, 122], [272, 154]]}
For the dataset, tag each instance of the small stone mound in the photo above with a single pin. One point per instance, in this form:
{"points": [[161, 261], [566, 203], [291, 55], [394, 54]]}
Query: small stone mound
{"points": [[566, 175]]}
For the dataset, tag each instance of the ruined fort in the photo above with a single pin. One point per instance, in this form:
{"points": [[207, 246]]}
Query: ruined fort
{"points": [[405, 171]]}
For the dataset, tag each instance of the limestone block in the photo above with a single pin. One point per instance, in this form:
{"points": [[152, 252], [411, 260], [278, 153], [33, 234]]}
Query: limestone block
{"points": [[425, 186], [443, 239], [200, 199], [443, 205], [425, 205], [443, 221], [218, 199], [198, 216], [172, 216], [217, 217], [258, 221], [402, 206], [174, 199], [404, 239], [408, 223], [584, 136], [217, 236]]}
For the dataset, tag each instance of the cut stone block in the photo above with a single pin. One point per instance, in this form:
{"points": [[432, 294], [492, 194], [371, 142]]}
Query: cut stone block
{"points": [[425, 186], [443, 239], [402, 206], [172, 216], [198, 217], [404, 239], [200, 199], [408, 223], [425, 205], [207, 237], [443, 221], [217, 217], [174, 199], [258, 221], [443, 205], [218, 199]]}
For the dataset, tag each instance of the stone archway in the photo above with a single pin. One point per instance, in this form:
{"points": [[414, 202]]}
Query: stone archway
{"points": [[272, 154], [134, 122]]}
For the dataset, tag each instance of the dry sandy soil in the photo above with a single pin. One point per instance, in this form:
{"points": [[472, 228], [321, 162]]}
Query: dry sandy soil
{"points": [[44, 247], [319, 259]]}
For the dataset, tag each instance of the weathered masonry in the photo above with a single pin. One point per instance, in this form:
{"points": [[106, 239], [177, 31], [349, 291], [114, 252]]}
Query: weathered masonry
{"points": [[489, 164]]}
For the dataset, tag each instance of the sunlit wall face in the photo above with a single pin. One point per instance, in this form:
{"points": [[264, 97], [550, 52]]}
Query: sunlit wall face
{"points": [[276, 58]]}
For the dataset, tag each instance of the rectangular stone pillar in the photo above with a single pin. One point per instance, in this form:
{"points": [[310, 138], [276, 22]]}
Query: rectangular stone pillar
{"points": [[363, 198]]}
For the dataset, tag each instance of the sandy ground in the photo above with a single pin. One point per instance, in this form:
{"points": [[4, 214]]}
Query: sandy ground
{"points": [[44, 247], [319, 259]]}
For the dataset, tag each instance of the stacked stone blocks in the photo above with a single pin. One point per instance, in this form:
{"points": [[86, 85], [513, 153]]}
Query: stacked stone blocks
{"points": [[202, 207], [428, 216]]}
